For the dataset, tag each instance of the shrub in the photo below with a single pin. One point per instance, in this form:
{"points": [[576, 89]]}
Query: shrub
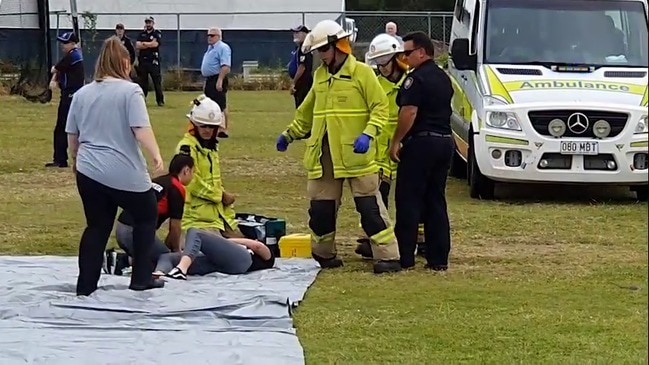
{"points": [[442, 60]]}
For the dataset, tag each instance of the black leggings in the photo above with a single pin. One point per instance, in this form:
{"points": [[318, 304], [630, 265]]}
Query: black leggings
{"points": [[100, 204]]}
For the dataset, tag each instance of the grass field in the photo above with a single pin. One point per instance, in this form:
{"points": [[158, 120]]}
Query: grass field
{"points": [[544, 275]]}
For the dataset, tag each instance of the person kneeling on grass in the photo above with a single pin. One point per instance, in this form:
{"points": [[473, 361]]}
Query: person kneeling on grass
{"points": [[208, 206], [170, 192], [207, 252]]}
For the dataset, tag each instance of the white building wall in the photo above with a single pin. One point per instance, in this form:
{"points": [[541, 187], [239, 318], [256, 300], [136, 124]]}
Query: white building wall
{"points": [[202, 14], [19, 14]]}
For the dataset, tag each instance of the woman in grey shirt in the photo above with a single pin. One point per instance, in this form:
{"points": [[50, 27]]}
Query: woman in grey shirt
{"points": [[107, 119]]}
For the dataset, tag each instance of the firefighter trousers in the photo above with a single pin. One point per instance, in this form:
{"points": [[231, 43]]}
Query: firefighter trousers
{"points": [[325, 195]]}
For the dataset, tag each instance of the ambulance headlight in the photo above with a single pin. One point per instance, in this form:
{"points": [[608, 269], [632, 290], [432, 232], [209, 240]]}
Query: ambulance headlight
{"points": [[642, 126], [601, 128], [503, 120]]}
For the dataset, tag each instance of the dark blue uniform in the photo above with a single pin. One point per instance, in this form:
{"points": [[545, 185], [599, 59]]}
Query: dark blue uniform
{"points": [[149, 64], [70, 76], [425, 157]]}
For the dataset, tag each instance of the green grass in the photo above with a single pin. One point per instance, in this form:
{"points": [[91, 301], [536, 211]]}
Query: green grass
{"points": [[545, 275]]}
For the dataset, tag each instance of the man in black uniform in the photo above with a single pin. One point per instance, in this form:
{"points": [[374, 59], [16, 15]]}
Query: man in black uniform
{"points": [[126, 41], [303, 78], [423, 129], [148, 44], [69, 76]]}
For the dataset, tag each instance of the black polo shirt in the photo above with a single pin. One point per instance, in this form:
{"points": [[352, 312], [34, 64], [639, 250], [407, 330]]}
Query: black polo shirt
{"points": [[428, 88], [71, 76], [306, 59], [150, 54], [126, 42], [170, 193]]}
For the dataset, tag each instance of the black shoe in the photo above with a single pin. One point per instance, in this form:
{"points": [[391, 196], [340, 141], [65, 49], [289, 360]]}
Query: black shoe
{"points": [[153, 284], [331, 263], [421, 249], [108, 266], [436, 267], [364, 248], [223, 134], [56, 164], [121, 263], [161, 103], [177, 274], [386, 266]]}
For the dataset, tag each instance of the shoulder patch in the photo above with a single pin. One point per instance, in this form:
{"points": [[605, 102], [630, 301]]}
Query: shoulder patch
{"points": [[407, 83], [157, 187]]}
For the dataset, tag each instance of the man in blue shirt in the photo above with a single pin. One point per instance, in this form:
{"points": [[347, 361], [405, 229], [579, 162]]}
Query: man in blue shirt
{"points": [[68, 75], [215, 67]]}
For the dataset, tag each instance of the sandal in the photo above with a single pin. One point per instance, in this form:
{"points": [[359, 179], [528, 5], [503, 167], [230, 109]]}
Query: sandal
{"points": [[177, 274]]}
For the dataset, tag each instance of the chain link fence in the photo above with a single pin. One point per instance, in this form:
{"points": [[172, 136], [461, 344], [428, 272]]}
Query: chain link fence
{"points": [[436, 24], [184, 39]]}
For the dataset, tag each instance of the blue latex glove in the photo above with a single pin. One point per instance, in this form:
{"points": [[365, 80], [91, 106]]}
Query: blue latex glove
{"points": [[362, 143], [282, 143]]}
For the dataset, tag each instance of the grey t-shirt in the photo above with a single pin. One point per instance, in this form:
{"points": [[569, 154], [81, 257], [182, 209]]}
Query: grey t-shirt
{"points": [[102, 114]]}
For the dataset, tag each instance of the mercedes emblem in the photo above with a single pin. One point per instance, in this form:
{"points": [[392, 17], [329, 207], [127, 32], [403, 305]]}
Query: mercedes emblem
{"points": [[578, 123]]}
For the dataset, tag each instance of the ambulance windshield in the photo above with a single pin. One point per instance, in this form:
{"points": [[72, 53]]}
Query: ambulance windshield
{"points": [[584, 32]]}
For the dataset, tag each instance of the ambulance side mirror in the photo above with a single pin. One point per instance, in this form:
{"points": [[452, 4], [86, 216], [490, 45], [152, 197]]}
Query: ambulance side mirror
{"points": [[460, 56]]}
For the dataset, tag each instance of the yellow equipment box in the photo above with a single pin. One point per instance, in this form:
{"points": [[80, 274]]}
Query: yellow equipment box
{"points": [[295, 245]]}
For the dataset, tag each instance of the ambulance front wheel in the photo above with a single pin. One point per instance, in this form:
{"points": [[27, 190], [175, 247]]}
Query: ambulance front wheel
{"points": [[641, 192], [480, 186], [458, 166]]}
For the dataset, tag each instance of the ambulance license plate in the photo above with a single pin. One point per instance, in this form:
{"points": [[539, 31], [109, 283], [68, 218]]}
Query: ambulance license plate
{"points": [[579, 148]]}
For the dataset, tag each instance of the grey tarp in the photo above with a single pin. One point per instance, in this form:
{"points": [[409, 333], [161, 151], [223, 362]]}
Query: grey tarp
{"points": [[214, 319]]}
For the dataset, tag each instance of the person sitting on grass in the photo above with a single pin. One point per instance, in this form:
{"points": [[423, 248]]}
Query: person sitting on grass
{"points": [[170, 193], [207, 252], [207, 206]]}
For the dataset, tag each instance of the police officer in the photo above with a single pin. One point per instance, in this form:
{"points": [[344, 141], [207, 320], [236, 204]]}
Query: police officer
{"points": [[148, 45], [69, 76], [126, 41], [423, 129], [303, 78], [345, 111]]}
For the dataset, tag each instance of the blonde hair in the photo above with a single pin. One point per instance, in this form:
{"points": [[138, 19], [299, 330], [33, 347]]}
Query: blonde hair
{"points": [[113, 60]]}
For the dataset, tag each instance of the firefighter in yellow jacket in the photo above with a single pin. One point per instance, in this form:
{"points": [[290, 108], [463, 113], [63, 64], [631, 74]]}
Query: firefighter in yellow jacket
{"points": [[384, 56], [344, 112], [207, 204]]}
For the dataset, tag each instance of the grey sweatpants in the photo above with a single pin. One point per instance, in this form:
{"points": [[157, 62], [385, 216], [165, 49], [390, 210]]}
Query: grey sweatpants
{"points": [[124, 236], [210, 253]]}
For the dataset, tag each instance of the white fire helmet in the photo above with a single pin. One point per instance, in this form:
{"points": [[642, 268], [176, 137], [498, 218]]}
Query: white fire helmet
{"points": [[205, 112], [382, 48], [325, 32], [367, 61]]}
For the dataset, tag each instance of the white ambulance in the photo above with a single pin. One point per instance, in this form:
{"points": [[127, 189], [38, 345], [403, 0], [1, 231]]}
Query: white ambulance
{"points": [[550, 91]]}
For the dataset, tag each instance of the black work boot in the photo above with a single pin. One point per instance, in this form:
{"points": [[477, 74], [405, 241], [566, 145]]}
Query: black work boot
{"points": [[436, 267], [364, 248], [331, 263], [421, 249], [386, 266]]}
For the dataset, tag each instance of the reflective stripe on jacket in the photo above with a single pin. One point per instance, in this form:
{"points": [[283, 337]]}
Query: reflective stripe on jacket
{"points": [[342, 107], [203, 206]]}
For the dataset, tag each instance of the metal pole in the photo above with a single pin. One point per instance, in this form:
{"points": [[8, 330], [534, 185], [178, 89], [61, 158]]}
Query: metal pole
{"points": [[304, 19], [58, 29], [430, 25], [445, 40], [178, 42]]}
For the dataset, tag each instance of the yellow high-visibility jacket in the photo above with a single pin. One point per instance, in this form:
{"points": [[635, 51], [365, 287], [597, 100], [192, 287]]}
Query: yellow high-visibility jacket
{"points": [[342, 107], [203, 205], [384, 140]]}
